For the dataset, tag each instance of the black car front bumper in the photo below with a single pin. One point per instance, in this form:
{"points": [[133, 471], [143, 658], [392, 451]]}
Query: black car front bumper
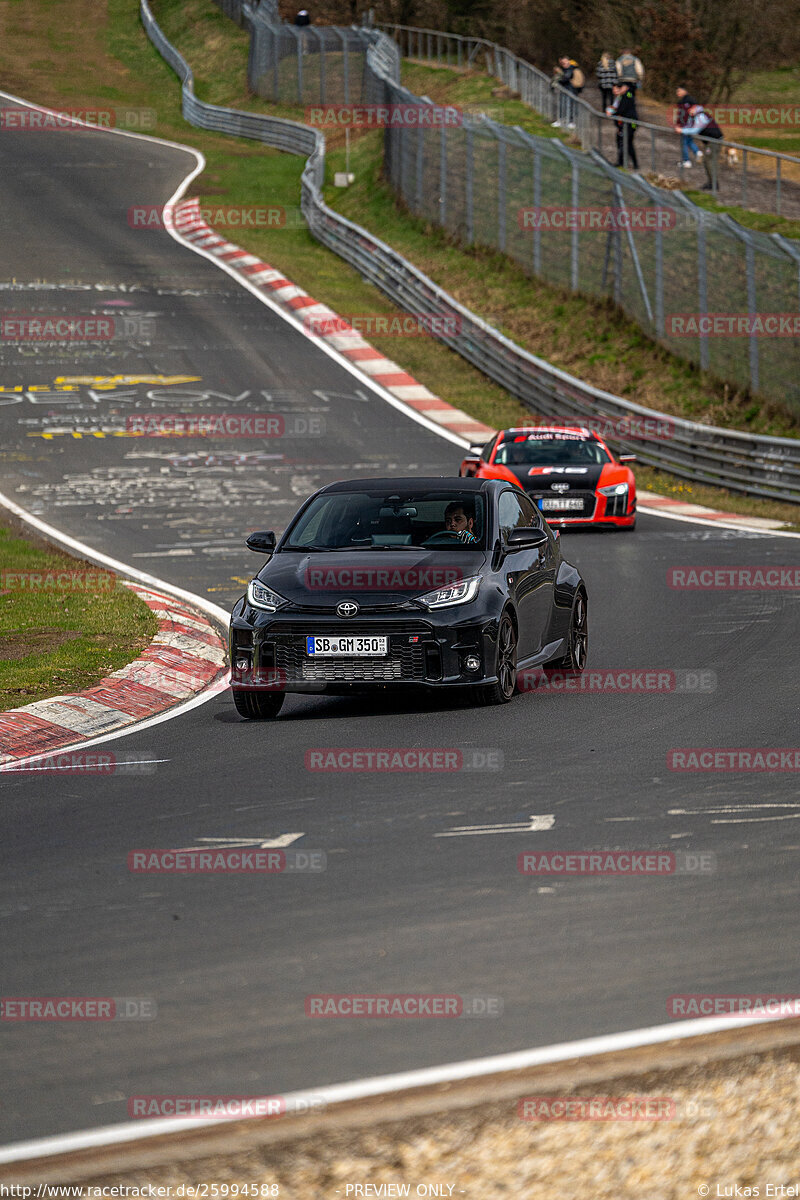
{"points": [[268, 650]]}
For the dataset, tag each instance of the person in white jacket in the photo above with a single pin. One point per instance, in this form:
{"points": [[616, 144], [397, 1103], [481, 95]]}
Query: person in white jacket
{"points": [[701, 122]]}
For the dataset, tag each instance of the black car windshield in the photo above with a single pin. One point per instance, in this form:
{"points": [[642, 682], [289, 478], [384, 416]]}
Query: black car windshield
{"points": [[549, 449], [452, 520]]}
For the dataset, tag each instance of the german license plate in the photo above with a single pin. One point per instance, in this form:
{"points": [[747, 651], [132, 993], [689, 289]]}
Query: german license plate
{"points": [[347, 647], [562, 504]]}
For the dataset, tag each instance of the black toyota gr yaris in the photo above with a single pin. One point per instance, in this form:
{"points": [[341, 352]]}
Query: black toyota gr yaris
{"points": [[390, 583]]}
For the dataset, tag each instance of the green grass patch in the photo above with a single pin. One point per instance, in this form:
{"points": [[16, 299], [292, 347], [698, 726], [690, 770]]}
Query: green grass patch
{"points": [[55, 641]]}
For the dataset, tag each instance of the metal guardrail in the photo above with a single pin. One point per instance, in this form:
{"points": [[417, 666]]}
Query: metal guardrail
{"points": [[755, 465], [596, 130]]}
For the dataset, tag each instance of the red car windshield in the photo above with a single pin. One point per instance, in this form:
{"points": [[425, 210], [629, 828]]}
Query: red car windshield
{"points": [[548, 450]]}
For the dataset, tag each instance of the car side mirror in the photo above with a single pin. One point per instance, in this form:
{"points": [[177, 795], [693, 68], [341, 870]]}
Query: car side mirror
{"points": [[627, 458], [262, 543], [526, 537]]}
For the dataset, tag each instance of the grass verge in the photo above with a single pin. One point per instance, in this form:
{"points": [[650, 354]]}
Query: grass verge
{"points": [[585, 337], [55, 640]]}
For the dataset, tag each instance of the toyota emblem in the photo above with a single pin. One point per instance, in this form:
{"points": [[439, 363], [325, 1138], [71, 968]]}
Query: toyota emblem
{"points": [[347, 608], [559, 487]]}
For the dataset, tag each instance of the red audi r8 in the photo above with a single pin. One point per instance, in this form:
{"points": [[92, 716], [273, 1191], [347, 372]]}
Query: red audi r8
{"points": [[567, 470]]}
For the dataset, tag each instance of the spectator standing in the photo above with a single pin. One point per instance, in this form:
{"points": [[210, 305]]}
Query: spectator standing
{"points": [[606, 72], [688, 144], [570, 78], [624, 111], [701, 122], [630, 69]]}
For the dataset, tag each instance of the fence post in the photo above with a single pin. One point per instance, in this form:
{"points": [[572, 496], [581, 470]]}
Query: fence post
{"points": [[420, 166], [345, 65], [501, 193], [468, 180], [321, 42], [537, 204], [275, 42], [702, 285], [750, 259], [299, 39], [443, 176]]}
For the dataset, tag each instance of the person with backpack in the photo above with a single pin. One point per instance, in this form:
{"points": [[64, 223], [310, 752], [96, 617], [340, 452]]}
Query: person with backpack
{"points": [[701, 122], [624, 110], [572, 80], [685, 102], [606, 72], [630, 69]]}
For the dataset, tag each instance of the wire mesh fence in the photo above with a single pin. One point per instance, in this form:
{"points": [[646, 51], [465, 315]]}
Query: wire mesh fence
{"points": [[753, 464]]}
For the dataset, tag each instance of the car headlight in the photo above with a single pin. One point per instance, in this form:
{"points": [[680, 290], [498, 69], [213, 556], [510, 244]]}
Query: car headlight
{"points": [[260, 596], [616, 489], [454, 593]]}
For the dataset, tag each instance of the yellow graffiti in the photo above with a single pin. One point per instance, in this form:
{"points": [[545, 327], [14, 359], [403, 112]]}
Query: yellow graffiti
{"points": [[110, 381]]}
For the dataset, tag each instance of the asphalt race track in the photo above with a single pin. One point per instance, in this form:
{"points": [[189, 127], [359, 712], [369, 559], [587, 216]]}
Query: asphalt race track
{"points": [[229, 959]]}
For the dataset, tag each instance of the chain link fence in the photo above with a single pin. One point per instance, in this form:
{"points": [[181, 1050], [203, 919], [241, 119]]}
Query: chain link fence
{"points": [[722, 296]]}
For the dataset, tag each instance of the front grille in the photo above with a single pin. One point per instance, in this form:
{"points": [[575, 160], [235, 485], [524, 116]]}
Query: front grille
{"points": [[350, 627], [403, 662], [616, 506], [567, 514]]}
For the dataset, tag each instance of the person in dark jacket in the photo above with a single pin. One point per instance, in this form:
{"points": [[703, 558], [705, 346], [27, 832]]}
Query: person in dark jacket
{"points": [[624, 111], [606, 72]]}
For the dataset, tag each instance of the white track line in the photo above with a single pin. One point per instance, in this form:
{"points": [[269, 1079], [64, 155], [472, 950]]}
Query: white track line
{"points": [[380, 1085]]}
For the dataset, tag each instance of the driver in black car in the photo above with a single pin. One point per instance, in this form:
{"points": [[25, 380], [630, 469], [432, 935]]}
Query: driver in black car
{"points": [[459, 519]]}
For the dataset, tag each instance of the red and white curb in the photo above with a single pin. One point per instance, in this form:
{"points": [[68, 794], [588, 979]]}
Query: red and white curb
{"points": [[667, 506], [185, 657], [343, 338]]}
